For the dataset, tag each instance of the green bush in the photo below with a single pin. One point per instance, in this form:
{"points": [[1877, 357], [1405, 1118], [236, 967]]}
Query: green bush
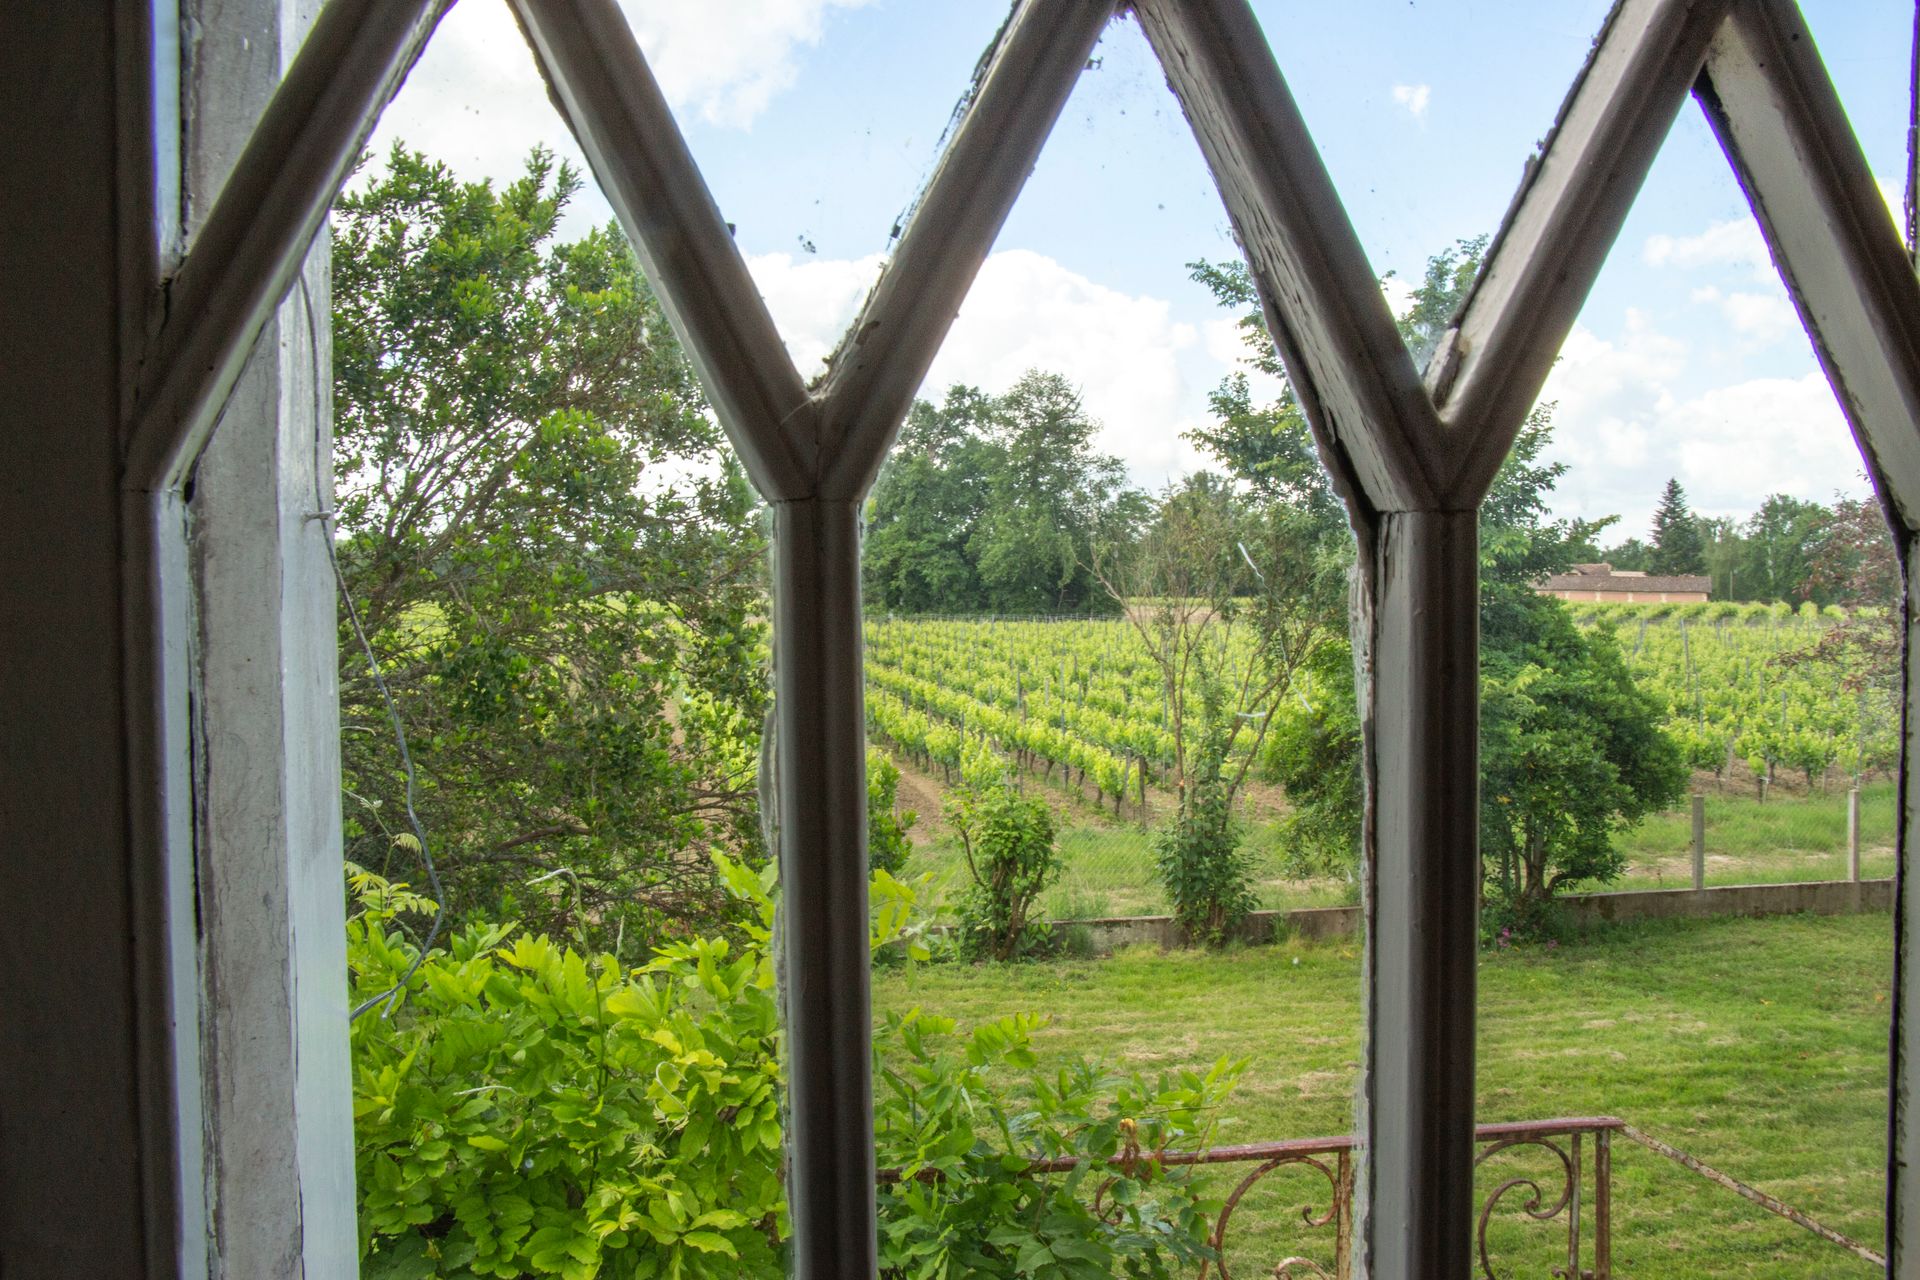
{"points": [[1008, 839], [887, 825], [528, 1110], [1207, 875]]}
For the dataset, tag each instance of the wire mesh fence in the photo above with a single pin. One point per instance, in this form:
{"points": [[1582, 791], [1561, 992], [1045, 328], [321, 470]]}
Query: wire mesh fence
{"points": [[1731, 834]]}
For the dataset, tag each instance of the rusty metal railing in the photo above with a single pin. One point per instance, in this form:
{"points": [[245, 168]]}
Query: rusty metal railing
{"points": [[1563, 1194], [1333, 1159]]}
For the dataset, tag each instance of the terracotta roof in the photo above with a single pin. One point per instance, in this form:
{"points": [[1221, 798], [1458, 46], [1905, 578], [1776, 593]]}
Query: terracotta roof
{"points": [[1651, 583]]}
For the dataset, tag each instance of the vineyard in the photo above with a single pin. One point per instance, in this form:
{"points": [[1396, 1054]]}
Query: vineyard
{"points": [[1735, 695], [1079, 702]]}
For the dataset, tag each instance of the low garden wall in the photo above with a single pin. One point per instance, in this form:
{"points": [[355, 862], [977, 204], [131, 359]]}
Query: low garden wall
{"points": [[1816, 897]]}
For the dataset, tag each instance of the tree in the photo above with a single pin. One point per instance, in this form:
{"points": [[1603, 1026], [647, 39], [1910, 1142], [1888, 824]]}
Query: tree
{"points": [[1231, 598], [1723, 552], [1677, 546], [1782, 541], [1556, 701], [1008, 841], [1047, 492], [995, 504], [1571, 752], [554, 559], [1631, 554], [930, 497]]}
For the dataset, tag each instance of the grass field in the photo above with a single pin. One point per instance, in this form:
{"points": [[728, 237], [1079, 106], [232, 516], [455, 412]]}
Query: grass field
{"points": [[1789, 838], [1759, 1046]]}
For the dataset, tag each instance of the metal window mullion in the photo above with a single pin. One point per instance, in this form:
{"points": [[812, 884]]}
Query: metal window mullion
{"points": [[601, 84]]}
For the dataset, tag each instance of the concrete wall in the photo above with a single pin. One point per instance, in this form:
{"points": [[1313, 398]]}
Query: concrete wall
{"points": [[1819, 897]]}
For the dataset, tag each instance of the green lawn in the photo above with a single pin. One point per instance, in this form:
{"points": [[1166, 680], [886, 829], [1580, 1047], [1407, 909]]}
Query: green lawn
{"points": [[1759, 1046]]}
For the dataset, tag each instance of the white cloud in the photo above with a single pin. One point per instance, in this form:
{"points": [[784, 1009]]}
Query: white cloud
{"points": [[813, 300], [1733, 243], [1625, 426], [476, 100], [1414, 97], [1737, 242], [1762, 317], [1026, 311], [1739, 443], [728, 58]]}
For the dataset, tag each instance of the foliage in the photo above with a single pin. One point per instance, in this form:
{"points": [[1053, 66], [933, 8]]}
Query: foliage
{"points": [[888, 844], [1229, 596], [1571, 750], [1207, 876], [555, 559], [1008, 839], [533, 1110], [994, 504], [1315, 755], [961, 1209]]}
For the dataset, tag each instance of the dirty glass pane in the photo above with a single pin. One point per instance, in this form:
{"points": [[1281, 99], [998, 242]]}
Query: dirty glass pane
{"points": [[1716, 546], [560, 572]]}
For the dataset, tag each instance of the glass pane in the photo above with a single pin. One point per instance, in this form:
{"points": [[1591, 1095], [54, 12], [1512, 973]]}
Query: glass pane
{"points": [[1097, 599], [559, 571], [1717, 549]]}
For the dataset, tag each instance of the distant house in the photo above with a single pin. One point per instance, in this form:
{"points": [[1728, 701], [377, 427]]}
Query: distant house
{"points": [[1603, 582]]}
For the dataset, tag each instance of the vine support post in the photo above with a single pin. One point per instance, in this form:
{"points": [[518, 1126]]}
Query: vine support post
{"points": [[1853, 834], [1699, 840]]}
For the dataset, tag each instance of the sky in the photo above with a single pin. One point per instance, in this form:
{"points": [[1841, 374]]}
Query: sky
{"points": [[816, 121]]}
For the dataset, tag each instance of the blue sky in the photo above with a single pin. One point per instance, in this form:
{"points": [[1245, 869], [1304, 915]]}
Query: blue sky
{"points": [[816, 120]]}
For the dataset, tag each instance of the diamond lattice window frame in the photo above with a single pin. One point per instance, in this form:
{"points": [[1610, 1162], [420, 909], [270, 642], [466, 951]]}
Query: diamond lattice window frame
{"points": [[1411, 451]]}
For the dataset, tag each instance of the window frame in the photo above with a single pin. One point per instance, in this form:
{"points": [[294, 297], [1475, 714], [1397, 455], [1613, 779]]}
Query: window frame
{"points": [[1411, 451]]}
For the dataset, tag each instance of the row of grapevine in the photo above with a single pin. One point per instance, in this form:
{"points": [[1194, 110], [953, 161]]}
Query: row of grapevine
{"points": [[1084, 696]]}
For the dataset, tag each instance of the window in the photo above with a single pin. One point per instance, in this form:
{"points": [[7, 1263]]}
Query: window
{"points": [[1411, 451]]}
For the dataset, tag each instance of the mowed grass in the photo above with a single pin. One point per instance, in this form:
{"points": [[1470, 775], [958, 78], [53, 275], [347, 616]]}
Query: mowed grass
{"points": [[1108, 866], [1759, 1046]]}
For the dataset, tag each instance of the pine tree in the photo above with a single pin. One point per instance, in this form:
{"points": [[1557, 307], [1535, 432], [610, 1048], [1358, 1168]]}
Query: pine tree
{"points": [[1677, 545]]}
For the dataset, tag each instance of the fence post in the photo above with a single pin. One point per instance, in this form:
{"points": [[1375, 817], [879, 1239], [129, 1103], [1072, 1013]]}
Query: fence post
{"points": [[1853, 834], [1699, 840]]}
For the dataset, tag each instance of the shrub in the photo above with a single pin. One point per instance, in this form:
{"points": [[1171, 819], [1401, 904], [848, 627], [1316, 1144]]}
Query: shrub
{"points": [[1008, 839], [527, 1110], [1207, 875], [888, 844]]}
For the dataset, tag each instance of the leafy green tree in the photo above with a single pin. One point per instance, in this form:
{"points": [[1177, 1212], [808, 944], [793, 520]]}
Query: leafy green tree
{"points": [[1314, 751], [1630, 554], [931, 495], [1007, 838], [1199, 858], [1571, 752], [1723, 551], [1782, 544], [995, 504], [1677, 546], [1047, 493], [552, 554], [1231, 596]]}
